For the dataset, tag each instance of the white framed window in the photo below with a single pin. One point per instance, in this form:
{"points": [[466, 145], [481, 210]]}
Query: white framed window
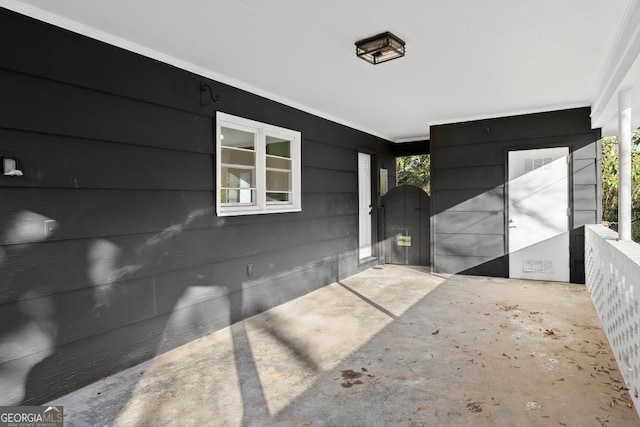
{"points": [[257, 167]]}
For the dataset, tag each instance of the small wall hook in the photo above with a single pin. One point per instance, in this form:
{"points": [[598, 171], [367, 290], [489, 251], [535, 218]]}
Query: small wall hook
{"points": [[206, 95]]}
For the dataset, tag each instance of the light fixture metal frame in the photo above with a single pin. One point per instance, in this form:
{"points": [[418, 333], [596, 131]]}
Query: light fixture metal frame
{"points": [[380, 48]]}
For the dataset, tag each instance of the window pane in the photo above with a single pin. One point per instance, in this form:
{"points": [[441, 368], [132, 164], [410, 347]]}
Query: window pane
{"points": [[238, 167], [238, 156], [278, 163], [236, 196], [238, 178], [278, 197], [278, 147], [278, 181], [238, 138]]}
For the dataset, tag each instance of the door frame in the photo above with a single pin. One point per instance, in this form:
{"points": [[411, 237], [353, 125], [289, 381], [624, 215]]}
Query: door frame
{"points": [[551, 142], [374, 204]]}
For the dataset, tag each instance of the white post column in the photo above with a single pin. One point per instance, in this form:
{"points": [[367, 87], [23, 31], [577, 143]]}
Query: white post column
{"points": [[624, 165]]}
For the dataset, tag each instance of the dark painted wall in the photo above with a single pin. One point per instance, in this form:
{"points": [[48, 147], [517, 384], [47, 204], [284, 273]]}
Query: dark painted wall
{"points": [[468, 162], [414, 148], [117, 149]]}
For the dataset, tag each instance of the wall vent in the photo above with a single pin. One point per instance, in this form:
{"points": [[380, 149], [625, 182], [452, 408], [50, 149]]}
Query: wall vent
{"points": [[537, 266], [531, 164]]}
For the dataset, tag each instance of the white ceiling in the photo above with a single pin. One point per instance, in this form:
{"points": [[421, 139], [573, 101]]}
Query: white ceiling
{"points": [[466, 59]]}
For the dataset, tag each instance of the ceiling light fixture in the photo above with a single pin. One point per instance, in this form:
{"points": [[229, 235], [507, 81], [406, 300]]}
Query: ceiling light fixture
{"points": [[381, 48]]}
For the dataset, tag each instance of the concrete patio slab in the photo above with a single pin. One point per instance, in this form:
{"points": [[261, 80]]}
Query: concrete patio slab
{"points": [[394, 346]]}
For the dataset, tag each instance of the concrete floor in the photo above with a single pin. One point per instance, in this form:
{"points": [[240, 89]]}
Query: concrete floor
{"points": [[392, 346]]}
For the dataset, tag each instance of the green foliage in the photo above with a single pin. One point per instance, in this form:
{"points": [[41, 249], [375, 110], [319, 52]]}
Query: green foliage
{"points": [[610, 182], [414, 170]]}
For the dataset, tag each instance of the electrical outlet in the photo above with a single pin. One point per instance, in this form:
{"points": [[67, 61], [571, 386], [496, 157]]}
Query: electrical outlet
{"points": [[249, 269]]}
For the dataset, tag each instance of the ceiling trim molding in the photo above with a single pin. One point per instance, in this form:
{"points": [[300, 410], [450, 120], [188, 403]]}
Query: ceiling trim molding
{"points": [[412, 139], [624, 52], [77, 27], [503, 114]]}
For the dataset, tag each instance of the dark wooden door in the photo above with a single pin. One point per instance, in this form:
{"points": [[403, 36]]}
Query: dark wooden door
{"points": [[406, 226]]}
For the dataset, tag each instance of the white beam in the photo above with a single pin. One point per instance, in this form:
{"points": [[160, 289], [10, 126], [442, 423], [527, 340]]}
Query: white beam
{"points": [[624, 167], [620, 68]]}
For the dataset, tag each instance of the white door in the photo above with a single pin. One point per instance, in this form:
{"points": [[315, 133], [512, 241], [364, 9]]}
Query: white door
{"points": [[538, 216], [364, 199]]}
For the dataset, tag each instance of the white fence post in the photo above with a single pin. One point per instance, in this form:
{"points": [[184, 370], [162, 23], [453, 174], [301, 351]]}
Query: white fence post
{"points": [[624, 166]]}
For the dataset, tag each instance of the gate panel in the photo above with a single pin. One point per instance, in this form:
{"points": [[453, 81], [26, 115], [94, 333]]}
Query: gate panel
{"points": [[406, 225]]}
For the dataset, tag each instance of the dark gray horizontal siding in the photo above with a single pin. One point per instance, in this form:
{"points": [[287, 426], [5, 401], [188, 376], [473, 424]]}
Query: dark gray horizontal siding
{"points": [[142, 340], [584, 196], [143, 255], [117, 149], [468, 185], [47, 106], [583, 172], [463, 156], [89, 312], [321, 155], [481, 200], [476, 245], [115, 212], [475, 265], [326, 180], [583, 217], [514, 128], [471, 222], [86, 163], [476, 177]]}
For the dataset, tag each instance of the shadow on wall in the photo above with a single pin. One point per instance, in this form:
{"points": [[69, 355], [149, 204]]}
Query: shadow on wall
{"points": [[64, 297], [52, 311], [470, 226]]}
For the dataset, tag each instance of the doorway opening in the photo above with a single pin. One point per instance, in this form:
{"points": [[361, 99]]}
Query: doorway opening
{"points": [[414, 170]]}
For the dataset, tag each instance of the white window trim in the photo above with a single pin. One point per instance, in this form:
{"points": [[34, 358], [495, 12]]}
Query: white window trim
{"points": [[262, 130]]}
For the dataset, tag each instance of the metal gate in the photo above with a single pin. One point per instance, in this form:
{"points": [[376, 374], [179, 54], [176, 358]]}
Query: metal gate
{"points": [[406, 226]]}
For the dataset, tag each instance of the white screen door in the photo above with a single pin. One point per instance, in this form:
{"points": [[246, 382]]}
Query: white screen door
{"points": [[538, 221], [364, 205]]}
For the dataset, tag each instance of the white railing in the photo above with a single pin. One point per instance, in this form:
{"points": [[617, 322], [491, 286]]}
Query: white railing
{"points": [[613, 279]]}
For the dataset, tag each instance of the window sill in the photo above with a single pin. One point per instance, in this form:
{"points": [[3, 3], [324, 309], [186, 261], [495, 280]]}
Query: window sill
{"points": [[257, 211]]}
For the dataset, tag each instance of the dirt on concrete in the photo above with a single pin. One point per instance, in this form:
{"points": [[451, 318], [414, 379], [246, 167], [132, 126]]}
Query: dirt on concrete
{"points": [[392, 346]]}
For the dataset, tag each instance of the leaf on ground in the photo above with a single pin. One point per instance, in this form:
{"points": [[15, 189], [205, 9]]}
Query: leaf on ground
{"points": [[505, 307], [436, 332], [350, 374], [474, 407]]}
